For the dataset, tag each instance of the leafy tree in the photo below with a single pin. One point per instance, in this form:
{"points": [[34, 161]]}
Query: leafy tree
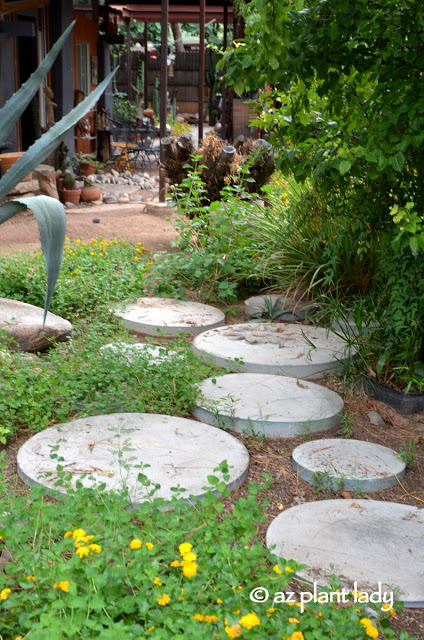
{"points": [[345, 97]]}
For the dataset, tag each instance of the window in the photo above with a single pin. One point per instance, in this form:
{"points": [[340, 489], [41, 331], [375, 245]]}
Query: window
{"points": [[83, 68]]}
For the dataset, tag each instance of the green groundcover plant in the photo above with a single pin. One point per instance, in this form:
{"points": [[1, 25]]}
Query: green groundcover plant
{"points": [[93, 274], [88, 567]]}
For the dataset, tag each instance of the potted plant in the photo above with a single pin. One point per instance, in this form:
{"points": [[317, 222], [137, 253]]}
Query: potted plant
{"points": [[90, 192], [87, 163], [69, 193]]}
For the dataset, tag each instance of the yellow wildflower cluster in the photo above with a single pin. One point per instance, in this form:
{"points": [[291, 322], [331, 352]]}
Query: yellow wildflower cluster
{"points": [[137, 544], [63, 585], [163, 600], [234, 631], [81, 542], [188, 562], [202, 618], [297, 635], [250, 620], [370, 630], [4, 593]]}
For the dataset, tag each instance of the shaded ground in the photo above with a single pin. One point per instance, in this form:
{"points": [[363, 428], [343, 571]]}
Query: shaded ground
{"points": [[122, 220]]}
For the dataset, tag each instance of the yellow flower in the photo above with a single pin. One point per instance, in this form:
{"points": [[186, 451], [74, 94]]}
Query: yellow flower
{"points": [[31, 578], [135, 544], [234, 631], [101, 254], [219, 601], [270, 610], [250, 620], [276, 568], [95, 548], [92, 253], [294, 620], [297, 635], [78, 533], [136, 258], [77, 240], [139, 251], [175, 563], [389, 609], [149, 545], [184, 548], [68, 534], [157, 581], [63, 585], [4, 594], [66, 239], [189, 569], [150, 629], [370, 630], [163, 601], [289, 570], [190, 557], [82, 551]]}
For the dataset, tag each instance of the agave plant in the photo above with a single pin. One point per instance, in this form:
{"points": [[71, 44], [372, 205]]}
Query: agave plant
{"points": [[48, 212]]}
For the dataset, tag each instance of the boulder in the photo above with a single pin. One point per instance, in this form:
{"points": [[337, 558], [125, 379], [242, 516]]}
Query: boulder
{"points": [[24, 323]]}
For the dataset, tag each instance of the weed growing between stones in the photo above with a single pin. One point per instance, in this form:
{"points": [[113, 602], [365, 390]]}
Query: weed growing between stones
{"points": [[86, 566]]}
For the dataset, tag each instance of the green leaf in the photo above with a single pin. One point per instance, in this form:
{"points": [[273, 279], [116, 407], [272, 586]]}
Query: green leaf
{"points": [[397, 161], [344, 166], [239, 86], [50, 140], [212, 479], [51, 220], [17, 104]]}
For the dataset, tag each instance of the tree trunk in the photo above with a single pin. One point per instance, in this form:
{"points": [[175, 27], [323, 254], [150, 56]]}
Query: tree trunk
{"points": [[178, 39]]}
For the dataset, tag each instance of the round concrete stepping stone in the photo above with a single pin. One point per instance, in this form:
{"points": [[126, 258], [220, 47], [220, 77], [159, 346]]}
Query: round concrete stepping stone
{"points": [[268, 405], [169, 316], [287, 349], [353, 465], [366, 541], [109, 449], [128, 352]]}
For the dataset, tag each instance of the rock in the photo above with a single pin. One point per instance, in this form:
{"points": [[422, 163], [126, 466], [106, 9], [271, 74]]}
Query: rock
{"points": [[97, 202], [136, 178], [146, 175], [24, 323], [123, 198], [92, 178], [69, 205], [46, 176], [375, 419], [96, 220], [115, 173], [110, 200], [136, 198], [23, 188]]}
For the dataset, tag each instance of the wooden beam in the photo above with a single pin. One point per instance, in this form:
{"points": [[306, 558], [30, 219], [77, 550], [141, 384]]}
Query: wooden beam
{"points": [[201, 68], [163, 91]]}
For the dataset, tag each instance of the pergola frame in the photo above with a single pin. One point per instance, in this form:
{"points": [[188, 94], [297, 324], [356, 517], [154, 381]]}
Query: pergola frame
{"points": [[169, 11]]}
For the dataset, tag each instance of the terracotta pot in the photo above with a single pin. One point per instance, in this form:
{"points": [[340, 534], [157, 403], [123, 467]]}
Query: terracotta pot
{"points": [[88, 194], [70, 195], [149, 113], [7, 160], [87, 169]]}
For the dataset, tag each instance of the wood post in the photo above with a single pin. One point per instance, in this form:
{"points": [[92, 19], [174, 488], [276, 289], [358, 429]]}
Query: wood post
{"points": [[163, 91]]}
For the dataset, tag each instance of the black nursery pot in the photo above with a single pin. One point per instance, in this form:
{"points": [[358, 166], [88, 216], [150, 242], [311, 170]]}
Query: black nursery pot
{"points": [[403, 402]]}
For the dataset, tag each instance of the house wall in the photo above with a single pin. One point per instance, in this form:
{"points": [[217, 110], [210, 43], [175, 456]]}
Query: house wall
{"points": [[7, 79]]}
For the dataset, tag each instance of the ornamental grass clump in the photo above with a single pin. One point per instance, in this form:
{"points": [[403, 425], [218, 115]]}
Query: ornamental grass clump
{"points": [[86, 566]]}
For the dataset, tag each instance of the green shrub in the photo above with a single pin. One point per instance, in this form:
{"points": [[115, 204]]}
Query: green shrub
{"points": [[216, 250], [87, 567]]}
